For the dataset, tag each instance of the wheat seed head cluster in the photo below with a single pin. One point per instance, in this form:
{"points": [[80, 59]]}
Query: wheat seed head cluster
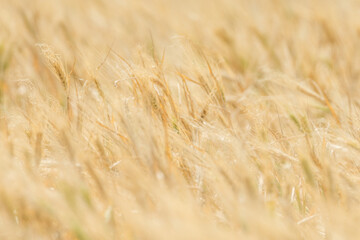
{"points": [[179, 119]]}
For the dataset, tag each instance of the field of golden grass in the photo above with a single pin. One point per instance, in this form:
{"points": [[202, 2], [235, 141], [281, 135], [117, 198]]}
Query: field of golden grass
{"points": [[179, 119]]}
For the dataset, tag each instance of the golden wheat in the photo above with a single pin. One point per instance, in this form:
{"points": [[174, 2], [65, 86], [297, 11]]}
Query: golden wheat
{"points": [[169, 119]]}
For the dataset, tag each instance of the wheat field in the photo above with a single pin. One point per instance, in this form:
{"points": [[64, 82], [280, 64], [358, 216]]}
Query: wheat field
{"points": [[179, 119]]}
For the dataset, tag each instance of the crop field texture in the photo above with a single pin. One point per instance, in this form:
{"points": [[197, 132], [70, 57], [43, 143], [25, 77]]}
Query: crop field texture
{"points": [[179, 119]]}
